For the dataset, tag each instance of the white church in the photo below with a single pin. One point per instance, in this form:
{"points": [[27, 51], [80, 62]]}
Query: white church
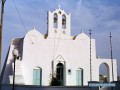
{"points": [[58, 54]]}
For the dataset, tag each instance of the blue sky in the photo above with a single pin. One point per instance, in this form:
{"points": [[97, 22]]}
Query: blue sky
{"points": [[102, 16]]}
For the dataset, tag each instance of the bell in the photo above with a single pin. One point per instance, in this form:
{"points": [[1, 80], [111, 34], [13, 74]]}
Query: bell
{"points": [[63, 21], [55, 20]]}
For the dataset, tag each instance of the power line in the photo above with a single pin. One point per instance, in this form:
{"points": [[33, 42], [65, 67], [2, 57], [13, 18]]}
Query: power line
{"points": [[19, 15], [42, 16], [57, 44], [21, 19]]}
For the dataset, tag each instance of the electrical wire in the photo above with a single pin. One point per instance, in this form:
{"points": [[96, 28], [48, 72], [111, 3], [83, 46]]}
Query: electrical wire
{"points": [[21, 19], [42, 17], [57, 44], [19, 15], [54, 46]]}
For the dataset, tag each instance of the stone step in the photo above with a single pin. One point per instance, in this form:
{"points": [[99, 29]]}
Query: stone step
{"points": [[18, 79], [18, 73]]}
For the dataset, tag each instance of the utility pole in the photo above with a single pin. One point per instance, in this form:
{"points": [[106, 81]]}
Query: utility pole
{"points": [[111, 56], [90, 58], [1, 27]]}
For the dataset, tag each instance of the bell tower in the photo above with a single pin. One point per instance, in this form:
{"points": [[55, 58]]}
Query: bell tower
{"points": [[58, 24]]}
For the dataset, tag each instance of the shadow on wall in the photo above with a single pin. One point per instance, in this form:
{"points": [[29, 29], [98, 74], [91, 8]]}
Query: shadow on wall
{"points": [[8, 71]]}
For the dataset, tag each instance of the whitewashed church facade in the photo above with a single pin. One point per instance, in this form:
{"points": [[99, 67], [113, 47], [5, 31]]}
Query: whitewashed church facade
{"points": [[55, 53]]}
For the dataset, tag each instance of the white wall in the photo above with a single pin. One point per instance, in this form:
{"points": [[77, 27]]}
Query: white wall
{"points": [[75, 53]]}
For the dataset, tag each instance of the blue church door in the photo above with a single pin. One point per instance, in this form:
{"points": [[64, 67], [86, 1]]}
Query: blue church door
{"points": [[37, 76], [79, 77]]}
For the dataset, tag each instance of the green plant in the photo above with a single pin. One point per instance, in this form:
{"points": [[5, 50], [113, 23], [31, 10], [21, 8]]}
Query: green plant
{"points": [[54, 81]]}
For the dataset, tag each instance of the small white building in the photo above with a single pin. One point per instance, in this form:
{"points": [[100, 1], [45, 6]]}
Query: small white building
{"points": [[56, 53]]}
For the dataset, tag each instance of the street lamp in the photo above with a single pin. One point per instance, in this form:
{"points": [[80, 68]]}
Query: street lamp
{"points": [[15, 54]]}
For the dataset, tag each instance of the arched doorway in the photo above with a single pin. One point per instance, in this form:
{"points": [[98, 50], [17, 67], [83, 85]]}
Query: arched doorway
{"points": [[60, 73], [63, 21], [104, 73], [55, 19]]}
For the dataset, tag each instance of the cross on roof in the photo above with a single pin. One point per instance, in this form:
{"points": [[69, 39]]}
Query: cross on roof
{"points": [[59, 6]]}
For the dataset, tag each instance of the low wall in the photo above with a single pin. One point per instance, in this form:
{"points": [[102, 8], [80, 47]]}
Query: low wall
{"points": [[28, 87]]}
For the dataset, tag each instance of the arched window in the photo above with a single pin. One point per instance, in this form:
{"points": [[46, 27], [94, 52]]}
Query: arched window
{"points": [[60, 73], [79, 77], [55, 21], [63, 21]]}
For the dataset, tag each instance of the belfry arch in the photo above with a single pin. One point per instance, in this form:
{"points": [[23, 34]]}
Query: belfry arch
{"points": [[104, 72], [55, 20], [63, 21]]}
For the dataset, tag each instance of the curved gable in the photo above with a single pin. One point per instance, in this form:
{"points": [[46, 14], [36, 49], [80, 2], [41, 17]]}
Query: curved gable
{"points": [[33, 36], [82, 36]]}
